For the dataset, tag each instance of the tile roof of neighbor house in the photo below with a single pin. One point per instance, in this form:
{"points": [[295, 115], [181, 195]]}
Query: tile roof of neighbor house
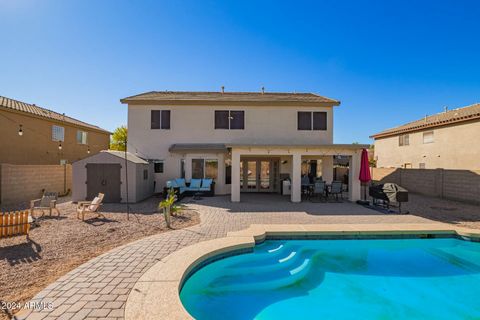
{"points": [[186, 96], [459, 115], [7, 103]]}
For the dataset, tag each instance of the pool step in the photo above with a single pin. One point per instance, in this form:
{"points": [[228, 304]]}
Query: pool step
{"points": [[262, 258], [283, 279]]}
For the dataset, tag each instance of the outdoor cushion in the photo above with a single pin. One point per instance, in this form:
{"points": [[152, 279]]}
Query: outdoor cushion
{"points": [[95, 202], [192, 189], [182, 189], [195, 183], [204, 189], [206, 183], [172, 184], [180, 183]]}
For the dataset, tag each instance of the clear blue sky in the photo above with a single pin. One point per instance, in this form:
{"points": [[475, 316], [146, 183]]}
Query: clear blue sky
{"points": [[389, 62]]}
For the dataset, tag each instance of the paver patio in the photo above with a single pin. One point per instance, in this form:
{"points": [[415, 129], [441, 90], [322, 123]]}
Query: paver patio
{"points": [[99, 288]]}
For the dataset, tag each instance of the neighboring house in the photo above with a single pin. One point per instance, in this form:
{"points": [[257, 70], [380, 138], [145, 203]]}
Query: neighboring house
{"points": [[33, 135], [447, 140], [245, 141]]}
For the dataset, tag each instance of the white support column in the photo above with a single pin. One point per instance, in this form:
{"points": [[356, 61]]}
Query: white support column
{"points": [[188, 167], [353, 181], [235, 187], [327, 169], [296, 195]]}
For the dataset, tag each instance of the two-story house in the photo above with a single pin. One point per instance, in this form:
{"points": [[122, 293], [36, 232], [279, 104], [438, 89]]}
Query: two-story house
{"points": [[444, 140], [30, 134], [245, 141]]}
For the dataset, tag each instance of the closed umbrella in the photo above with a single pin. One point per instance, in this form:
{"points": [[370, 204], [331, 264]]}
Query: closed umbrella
{"points": [[364, 176]]}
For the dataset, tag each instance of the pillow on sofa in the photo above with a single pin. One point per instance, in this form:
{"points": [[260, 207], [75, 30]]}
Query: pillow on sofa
{"points": [[180, 183], [195, 183], [206, 183]]}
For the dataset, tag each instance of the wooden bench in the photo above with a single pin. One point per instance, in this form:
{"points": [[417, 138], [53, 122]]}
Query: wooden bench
{"points": [[14, 223]]}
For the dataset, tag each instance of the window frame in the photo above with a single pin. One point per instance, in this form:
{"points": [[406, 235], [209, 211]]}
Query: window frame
{"points": [[205, 169], [83, 134], [158, 162], [403, 140], [228, 123], [309, 121], [158, 119], [55, 132], [432, 135]]}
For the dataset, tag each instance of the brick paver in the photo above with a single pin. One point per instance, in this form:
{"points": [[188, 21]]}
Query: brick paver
{"points": [[99, 288]]}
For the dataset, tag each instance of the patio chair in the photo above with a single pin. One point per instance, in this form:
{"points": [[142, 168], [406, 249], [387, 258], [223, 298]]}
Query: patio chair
{"points": [[336, 189], [47, 202], [90, 206], [319, 189]]}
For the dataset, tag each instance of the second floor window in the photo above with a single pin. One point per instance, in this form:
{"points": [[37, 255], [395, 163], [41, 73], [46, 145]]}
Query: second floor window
{"points": [[312, 120], [58, 133], [229, 119], [403, 140], [160, 119], [428, 137], [82, 137]]}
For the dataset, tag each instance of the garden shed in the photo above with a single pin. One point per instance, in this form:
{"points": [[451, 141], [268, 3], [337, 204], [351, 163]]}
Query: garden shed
{"points": [[105, 172]]}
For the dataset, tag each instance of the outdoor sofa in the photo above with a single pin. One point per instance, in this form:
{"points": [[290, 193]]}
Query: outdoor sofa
{"points": [[183, 188]]}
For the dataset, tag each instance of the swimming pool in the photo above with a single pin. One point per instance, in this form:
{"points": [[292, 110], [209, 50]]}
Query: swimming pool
{"points": [[340, 279]]}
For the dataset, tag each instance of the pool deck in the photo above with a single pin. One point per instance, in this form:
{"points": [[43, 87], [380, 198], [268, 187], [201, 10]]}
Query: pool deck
{"points": [[120, 283]]}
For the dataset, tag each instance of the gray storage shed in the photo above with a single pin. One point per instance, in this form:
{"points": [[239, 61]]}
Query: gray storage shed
{"points": [[105, 172]]}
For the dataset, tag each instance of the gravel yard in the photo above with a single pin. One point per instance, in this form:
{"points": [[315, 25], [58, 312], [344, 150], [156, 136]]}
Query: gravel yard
{"points": [[57, 246]]}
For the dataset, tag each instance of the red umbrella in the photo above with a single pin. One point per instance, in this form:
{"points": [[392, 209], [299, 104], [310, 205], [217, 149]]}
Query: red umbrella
{"points": [[364, 176], [364, 168]]}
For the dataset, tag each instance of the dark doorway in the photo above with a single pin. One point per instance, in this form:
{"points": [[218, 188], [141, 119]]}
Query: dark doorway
{"points": [[104, 178]]}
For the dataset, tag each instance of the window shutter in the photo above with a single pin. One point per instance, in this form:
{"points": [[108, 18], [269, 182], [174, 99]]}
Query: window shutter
{"points": [[319, 121], [237, 120], [155, 119], [165, 119], [221, 119], [304, 120]]}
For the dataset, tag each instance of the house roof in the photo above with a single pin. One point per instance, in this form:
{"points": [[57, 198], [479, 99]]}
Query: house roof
{"points": [[182, 97], [130, 156], [459, 115], [15, 105]]}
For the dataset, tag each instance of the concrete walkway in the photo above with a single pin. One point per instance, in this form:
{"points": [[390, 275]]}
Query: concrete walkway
{"points": [[99, 288]]}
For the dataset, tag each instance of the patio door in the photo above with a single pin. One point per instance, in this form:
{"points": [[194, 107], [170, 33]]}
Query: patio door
{"points": [[259, 175]]}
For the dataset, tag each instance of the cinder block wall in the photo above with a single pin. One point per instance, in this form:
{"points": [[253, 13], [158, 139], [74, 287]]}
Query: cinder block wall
{"points": [[460, 185], [19, 183]]}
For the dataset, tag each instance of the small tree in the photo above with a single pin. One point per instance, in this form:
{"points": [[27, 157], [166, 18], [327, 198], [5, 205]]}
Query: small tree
{"points": [[167, 205], [118, 139]]}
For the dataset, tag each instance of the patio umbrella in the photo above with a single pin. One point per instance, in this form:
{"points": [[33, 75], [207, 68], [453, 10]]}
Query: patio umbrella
{"points": [[364, 176]]}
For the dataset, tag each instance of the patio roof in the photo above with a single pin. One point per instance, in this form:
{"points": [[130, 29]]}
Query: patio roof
{"points": [[353, 146], [198, 147]]}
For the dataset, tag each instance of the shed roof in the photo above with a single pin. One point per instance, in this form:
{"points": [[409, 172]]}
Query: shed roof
{"points": [[130, 156]]}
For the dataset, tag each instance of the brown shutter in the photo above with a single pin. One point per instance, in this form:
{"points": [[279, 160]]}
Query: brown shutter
{"points": [[221, 119], [319, 121], [165, 119], [155, 119], [237, 120], [304, 120]]}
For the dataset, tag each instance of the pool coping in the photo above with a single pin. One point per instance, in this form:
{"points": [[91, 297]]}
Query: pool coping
{"points": [[156, 294]]}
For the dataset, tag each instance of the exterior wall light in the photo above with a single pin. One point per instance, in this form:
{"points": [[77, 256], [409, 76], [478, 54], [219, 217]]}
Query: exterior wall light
{"points": [[20, 131]]}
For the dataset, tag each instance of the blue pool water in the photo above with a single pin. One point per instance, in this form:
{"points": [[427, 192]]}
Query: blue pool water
{"points": [[341, 279]]}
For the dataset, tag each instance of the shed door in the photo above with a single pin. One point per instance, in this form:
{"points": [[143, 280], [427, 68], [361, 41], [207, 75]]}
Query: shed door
{"points": [[104, 178]]}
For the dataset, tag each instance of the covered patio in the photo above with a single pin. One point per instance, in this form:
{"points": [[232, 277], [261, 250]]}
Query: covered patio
{"points": [[289, 159]]}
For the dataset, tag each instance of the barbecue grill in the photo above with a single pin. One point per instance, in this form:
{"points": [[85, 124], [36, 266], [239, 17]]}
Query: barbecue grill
{"points": [[386, 194]]}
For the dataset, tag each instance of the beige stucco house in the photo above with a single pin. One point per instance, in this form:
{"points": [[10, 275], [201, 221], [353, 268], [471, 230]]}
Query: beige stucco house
{"points": [[447, 140], [245, 141]]}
